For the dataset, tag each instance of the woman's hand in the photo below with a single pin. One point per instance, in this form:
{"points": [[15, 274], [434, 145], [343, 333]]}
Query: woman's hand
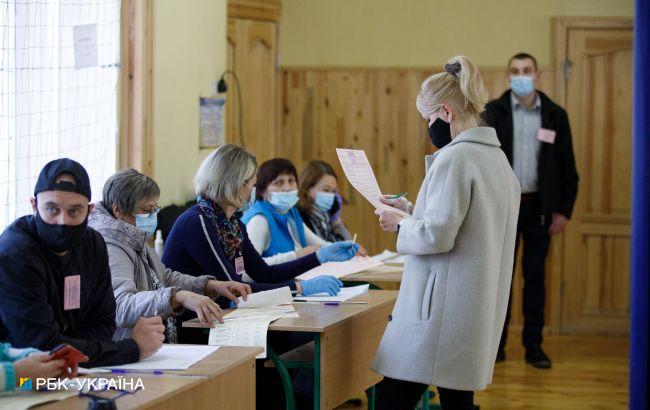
{"points": [[39, 365], [206, 309], [229, 289], [388, 220], [402, 203], [362, 251], [307, 250]]}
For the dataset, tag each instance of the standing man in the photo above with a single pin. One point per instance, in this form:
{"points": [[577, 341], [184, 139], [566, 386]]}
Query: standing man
{"points": [[536, 137], [56, 282]]}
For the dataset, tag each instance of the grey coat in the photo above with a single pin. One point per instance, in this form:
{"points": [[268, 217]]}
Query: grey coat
{"points": [[450, 310], [130, 259]]}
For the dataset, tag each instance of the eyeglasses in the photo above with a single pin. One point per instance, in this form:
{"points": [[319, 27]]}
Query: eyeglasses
{"points": [[155, 210]]}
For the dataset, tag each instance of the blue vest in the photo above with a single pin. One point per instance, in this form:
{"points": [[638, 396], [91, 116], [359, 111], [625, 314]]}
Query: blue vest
{"points": [[280, 238]]}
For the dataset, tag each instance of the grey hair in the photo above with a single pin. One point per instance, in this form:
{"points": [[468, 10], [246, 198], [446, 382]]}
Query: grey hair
{"points": [[126, 188], [223, 173]]}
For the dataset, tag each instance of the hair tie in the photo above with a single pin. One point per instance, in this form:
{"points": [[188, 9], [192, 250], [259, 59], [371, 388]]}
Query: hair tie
{"points": [[453, 68]]}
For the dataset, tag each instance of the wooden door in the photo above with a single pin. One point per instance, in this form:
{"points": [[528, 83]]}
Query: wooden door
{"points": [[596, 249], [252, 56]]}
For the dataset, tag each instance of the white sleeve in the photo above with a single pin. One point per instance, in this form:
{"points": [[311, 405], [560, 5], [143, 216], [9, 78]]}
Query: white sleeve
{"points": [[312, 238], [259, 234]]}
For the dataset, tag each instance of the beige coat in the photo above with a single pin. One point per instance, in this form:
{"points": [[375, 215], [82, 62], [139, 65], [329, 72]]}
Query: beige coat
{"points": [[446, 324]]}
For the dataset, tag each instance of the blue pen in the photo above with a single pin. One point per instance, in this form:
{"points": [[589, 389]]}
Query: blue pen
{"points": [[124, 371]]}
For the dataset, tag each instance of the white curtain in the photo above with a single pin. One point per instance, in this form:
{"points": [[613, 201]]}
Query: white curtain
{"points": [[48, 108]]}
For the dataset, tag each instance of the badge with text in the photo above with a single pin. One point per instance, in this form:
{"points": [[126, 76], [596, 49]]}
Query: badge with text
{"points": [[545, 135], [239, 265], [72, 292]]}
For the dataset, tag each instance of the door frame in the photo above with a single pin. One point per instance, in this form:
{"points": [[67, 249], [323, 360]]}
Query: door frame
{"points": [[560, 27]]}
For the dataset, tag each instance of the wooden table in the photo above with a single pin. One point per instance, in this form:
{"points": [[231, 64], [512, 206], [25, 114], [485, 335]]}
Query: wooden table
{"points": [[346, 338], [224, 380]]}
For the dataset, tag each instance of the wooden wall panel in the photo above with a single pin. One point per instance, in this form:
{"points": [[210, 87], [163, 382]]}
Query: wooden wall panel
{"points": [[252, 56], [374, 109]]}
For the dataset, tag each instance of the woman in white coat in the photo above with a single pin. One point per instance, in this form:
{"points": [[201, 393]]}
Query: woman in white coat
{"points": [[460, 240]]}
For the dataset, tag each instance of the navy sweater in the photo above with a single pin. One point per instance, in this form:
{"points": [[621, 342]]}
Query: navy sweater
{"points": [[31, 296], [193, 247]]}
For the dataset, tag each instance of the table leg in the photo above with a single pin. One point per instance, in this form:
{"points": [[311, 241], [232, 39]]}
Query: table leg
{"points": [[286, 379], [316, 371], [370, 393]]}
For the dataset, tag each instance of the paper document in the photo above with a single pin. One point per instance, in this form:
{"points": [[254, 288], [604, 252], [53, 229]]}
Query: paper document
{"points": [[23, 400], [398, 260], [343, 295], [274, 297], [170, 357], [287, 311], [385, 255], [246, 331], [341, 269], [360, 174]]}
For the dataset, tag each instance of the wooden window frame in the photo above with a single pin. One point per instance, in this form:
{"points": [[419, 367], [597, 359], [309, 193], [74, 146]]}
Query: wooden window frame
{"points": [[136, 86]]}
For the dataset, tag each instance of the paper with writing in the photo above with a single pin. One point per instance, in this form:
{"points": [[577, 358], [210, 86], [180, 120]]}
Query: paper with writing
{"points": [[246, 331], [170, 357], [360, 174], [341, 269]]}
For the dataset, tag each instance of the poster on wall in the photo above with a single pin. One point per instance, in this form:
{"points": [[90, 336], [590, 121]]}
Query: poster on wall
{"points": [[210, 122]]}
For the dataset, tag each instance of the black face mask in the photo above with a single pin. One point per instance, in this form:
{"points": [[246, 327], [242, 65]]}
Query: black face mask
{"points": [[440, 133], [59, 238]]}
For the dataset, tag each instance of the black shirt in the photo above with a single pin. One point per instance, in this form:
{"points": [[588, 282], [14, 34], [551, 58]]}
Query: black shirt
{"points": [[31, 296]]}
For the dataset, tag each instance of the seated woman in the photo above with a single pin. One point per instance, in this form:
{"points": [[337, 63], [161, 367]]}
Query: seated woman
{"points": [[211, 238], [274, 224], [143, 286], [319, 202]]}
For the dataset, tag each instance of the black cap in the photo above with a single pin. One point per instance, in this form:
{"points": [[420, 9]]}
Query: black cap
{"points": [[53, 169]]}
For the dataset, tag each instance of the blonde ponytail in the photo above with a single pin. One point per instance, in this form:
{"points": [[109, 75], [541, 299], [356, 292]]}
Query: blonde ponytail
{"points": [[460, 85]]}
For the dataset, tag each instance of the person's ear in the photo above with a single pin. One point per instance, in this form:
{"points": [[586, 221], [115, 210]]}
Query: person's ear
{"points": [[449, 113], [116, 211], [90, 208], [32, 202]]}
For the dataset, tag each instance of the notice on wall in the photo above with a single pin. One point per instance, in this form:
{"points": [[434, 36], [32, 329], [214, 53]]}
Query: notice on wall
{"points": [[211, 122], [85, 46]]}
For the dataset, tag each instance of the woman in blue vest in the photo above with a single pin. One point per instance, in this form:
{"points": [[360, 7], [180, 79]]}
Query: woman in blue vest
{"points": [[273, 222]]}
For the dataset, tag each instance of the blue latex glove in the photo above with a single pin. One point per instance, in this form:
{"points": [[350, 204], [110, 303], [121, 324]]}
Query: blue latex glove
{"points": [[323, 283], [337, 252]]}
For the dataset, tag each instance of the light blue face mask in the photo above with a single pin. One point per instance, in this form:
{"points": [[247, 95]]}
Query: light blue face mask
{"points": [[284, 201], [521, 85], [147, 222], [250, 201], [325, 200]]}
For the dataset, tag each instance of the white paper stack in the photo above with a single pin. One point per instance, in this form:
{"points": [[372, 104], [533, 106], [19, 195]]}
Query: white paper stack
{"points": [[344, 295], [341, 269]]}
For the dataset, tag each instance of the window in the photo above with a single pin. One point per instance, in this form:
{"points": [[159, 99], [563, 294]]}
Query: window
{"points": [[48, 108]]}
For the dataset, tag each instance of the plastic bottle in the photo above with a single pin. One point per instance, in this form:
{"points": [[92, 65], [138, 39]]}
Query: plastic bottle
{"points": [[158, 244]]}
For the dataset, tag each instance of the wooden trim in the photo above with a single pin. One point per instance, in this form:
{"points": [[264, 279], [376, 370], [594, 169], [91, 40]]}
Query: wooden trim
{"points": [[136, 85], [263, 10], [560, 27]]}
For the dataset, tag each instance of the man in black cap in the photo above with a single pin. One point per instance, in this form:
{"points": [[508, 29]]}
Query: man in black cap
{"points": [[55, 278]]}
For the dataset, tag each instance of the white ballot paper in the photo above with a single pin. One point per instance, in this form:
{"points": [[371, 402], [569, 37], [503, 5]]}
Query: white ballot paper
{"points": [[398, 260], [285, 310], [245, 331], [169, 357], [385, 255], [267, 298], [359, 172], [341, 269], [343, 295]]}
